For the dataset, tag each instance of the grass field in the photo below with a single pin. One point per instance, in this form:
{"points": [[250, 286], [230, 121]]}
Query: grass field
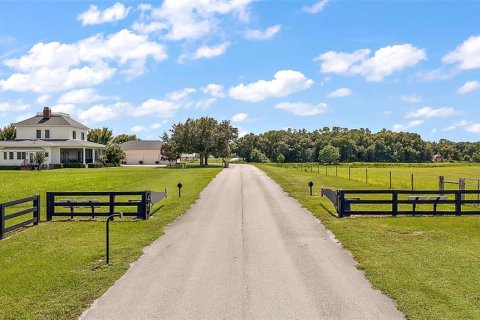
{"points": [[55, 270], [429, 265]]}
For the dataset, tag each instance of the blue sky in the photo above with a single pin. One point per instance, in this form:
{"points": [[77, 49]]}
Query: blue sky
{"points": [[138, 67]]}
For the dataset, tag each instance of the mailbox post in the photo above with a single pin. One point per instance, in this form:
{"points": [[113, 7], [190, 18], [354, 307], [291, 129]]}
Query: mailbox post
{"points": [[310, 185], [179, 186]]}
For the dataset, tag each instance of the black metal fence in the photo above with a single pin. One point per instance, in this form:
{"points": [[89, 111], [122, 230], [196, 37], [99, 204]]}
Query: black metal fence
{"points": [[402, 202], [93, 204], [34, 209]]}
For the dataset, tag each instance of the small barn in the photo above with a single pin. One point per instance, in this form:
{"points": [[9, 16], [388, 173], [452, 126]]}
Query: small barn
{"points": [[437, 158], [143, 152]]}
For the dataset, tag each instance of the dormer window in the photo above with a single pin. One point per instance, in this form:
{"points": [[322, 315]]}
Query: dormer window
{"points": [[83, 135], [74, 133], [47, 134], [39, 134]]}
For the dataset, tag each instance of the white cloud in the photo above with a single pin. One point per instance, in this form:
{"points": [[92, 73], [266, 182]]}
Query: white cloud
{"points": [[215, 90], [13, 107], [65, 108], [157, 125], [100, 113], [468, 87], [412, 98], [208, 52], [80, 96], [301, 108], [239, 117], [146, 28], [384, 62], [428, 112], [260, 35], [204, 104], [180, 94], [316, 7], [341, 92], [138, 129], [466, 55], [475, 128], [55, 66], [43, 99], [95, 16], [155, 107], [285, 82], [411, 124]]}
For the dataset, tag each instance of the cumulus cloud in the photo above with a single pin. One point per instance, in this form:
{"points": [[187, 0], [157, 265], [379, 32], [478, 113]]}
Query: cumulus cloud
{"points": [[340, 92], [156, 107], [301, 108], [65, 108], [180, 94], [384, 62], [402, 127], [428, 112], [209, 52], [239, 117], [466, 55], [411, 98], [285, 82], [475, 128], [260, 35], [206, 103], [42, 99], [80, 96], [468, 87], [13, 106], [54, 66], [316, 7], [100, 113], [95, 16], [138, 129], [215, 90]]}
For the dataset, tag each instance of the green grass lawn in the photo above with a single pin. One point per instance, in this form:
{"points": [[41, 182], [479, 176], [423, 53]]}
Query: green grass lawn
{"points": [[429, 265], [55, 270]]}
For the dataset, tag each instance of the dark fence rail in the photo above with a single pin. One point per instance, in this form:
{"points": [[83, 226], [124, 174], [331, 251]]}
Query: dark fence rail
{"points": [[455, 199], [140, 202], [34, 210]]}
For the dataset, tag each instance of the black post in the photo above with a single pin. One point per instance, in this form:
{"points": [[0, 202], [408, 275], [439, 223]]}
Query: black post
{"points": [[349, 173], [340, 209], [412, 182], [50, 205], [394, 203], [111, 204], [2, 220], [110, 218], [310, 185], [144, 206], [36, 213], [390, 179], [458, 203], [179, 186]]}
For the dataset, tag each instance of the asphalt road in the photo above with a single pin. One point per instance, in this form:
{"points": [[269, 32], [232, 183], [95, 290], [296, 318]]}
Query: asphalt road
{"points": [[245, 250]]}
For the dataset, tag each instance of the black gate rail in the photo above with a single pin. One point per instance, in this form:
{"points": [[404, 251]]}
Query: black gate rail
{"points": [[345, 198], [141, 205], [34, 209]]}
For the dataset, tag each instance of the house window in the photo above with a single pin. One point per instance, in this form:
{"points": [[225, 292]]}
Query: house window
{"points": [[47, 134], [83, 135], [10, 156], [5, 156], [19, 156], [39, 134], [46, 154], [74, 134]]}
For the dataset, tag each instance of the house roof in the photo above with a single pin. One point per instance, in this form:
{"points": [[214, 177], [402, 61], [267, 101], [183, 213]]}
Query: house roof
{"points": [[49, 143], [142, 145], [57, 119]]}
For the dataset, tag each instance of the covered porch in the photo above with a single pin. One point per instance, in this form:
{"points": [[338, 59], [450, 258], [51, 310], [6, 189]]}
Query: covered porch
{"points": [[80, 155]]}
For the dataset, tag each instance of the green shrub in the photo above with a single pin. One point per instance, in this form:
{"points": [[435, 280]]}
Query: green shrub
{"points": [[73, 165], [96, 165], [57, 166], [9, 168]]}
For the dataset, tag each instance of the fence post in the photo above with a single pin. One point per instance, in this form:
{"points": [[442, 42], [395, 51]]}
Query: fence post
{"points": [[336, 171], [112, 204], [366, 175], [36, 213], [441, 184], [142, 209], [390, 179], [394, 203], [50, 205], [349, 173], [412, 182], [458, 203], [2, 220], [461, 186], [341, 198]]}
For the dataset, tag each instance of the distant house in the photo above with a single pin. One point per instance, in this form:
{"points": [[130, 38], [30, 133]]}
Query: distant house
{"points": [[189, 156], [63, 140], [146, 152], [437, 158]]}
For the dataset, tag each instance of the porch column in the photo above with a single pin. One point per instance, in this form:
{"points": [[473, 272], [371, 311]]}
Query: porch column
{"points": [[93, 153], [84, 154]]}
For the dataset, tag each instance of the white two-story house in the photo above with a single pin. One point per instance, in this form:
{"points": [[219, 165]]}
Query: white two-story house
{"points": [[63, 140]]}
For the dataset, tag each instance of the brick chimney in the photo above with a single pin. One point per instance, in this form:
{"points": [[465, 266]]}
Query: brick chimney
{"points": [[47, 113]]}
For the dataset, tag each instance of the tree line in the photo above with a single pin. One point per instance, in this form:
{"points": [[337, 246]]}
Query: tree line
{"points": [[344, 145]]}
